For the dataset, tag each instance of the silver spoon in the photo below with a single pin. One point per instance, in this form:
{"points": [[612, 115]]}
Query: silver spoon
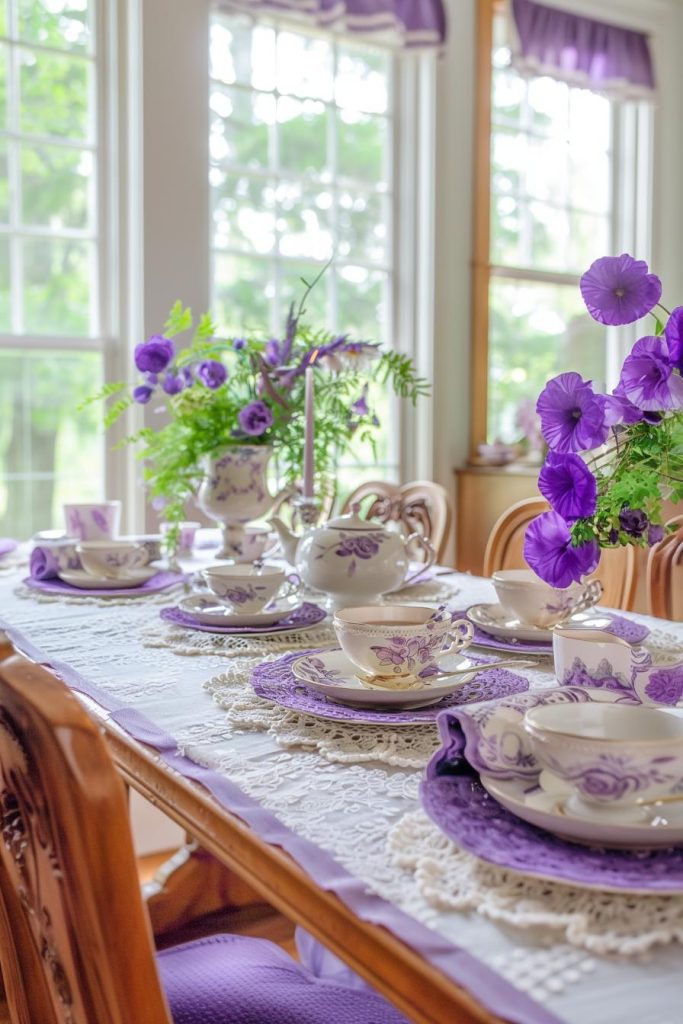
{"points": [[389, 683]]}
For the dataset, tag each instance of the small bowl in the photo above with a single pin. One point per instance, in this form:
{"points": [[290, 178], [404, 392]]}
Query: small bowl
{"points": [[616, 756], [534, 602]]}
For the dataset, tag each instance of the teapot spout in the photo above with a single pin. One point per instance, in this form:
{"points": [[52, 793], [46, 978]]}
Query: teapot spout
{"points": [[288, 539]]}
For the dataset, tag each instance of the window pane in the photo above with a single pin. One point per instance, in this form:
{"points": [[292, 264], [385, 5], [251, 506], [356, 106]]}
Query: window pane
{"points": [[240, 126], [243, 212], [362, 226], [536, 331], [303, 221], [361, 82], [304, 66], [303, 130], [242, 53], [56, 183], [5, 310], [48, 453], [3, 17], [55, 94], [59, 286], [4, 64], [58, 23], [362, 146], [507, 97], [549, 106], [4, 182], [362, 302], [243, 292]]}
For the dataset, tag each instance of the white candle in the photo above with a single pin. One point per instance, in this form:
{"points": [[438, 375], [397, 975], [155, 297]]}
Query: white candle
{"points": [[309, 461]]}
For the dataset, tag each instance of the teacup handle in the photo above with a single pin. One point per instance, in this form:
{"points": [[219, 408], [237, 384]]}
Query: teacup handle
{"points": [[429, 551], [461, 634], [293, 584]]}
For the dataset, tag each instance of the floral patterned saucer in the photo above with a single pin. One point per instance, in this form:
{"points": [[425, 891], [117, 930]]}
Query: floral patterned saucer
{"points": [[332, 673]]}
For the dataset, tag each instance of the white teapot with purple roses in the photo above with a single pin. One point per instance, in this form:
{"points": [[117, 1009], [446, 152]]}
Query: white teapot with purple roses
{"points": [[353, 560]]}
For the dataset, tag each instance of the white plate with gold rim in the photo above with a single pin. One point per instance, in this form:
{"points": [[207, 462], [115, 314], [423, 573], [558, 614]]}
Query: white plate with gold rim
{"points": [[209, 611]]}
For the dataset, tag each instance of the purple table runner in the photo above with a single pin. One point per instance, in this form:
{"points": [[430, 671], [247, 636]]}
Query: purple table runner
{"points": [[466, 970]]}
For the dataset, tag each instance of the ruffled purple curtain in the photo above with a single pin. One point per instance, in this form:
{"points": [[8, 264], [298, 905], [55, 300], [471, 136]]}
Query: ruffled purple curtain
{"points": [[401, 24], [580, 50]]}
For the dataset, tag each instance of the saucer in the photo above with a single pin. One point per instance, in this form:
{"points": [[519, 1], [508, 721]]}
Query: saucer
{"points": [[210, 612], [85, 581], [332, 673], [498, 622], [546, 805]]}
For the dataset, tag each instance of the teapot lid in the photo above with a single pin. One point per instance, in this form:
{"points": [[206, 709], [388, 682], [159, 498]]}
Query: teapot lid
{"points": [[353, 521]]}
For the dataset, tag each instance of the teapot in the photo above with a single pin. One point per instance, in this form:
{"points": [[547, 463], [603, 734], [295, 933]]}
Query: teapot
{"points": [[353, 560]]}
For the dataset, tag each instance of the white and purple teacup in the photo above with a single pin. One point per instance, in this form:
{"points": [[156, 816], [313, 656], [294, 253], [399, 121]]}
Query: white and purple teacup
{"points": [[525, 595], [112, 558], [249, 588], [615, 756], [187, 532], [257, 543], [97, 520], [399, 641]]}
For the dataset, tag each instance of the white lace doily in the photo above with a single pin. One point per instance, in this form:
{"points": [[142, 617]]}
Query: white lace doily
{"points": [[337, 742], [192, 642], [43, 597], [600, 923]]}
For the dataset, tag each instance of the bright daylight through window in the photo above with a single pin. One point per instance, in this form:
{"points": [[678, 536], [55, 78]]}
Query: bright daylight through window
{"points": [[553, 210], [49, 320], [301, 151]]}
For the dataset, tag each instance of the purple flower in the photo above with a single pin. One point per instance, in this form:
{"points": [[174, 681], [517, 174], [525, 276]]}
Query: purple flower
{"points": [[619, 289], [666, 685], [613, 536], [360, 407], [572, 415], [567, 483], [152, 378], [255, 418], [655, 533], [172, 383], [154, 355], [142, 394], [273, 352], [633, 521], [548, 550], [212, 374], [618, 410], [186, 374], [648, 379], [674, 337], [238, 344]]}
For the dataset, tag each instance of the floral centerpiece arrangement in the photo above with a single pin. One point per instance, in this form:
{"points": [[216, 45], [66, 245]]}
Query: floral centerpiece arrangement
{"points": [[234, 395], [612, 458]]}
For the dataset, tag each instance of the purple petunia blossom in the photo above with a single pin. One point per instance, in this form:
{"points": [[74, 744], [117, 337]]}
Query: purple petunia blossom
{"points": [[172, 383], [572, 415], [212, 374], [142, 394], [613, 536], [674, 337], [618, 410], [255, 418], [655, 533], [186, 374], [619, 290], [648, 379], [154, 355], [548, 550], [567, 483], [633, 521]]}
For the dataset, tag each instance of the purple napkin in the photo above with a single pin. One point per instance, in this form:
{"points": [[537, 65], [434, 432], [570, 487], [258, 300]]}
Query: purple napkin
{"points": [[7, 545], [44, 564], [160, 581]]}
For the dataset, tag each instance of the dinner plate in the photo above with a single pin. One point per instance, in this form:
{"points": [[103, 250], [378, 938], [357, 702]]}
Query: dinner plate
{"points": [[210, 612], [545, 805], [498, 622], [85, 581], [332, 673]]}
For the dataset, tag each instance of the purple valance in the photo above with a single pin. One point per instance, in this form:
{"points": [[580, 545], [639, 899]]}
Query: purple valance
{"points": [[581, 50], [400, 24]]}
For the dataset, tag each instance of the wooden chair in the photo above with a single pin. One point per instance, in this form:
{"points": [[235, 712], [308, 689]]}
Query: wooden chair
{"points": [[663, 561], [504, 550], [421, 507], [75, 943]]}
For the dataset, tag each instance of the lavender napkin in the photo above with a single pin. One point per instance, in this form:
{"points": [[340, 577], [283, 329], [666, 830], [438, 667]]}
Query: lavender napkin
{"points": [[7, 545]]}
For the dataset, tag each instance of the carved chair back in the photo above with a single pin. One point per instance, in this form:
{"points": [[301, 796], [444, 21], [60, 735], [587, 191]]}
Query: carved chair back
{"points": [[421, 507], [75, 942], [504, 550], [664, 574]]}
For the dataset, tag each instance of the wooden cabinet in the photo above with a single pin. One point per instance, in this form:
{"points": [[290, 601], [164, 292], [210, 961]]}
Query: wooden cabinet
{"points": [[482, 494]]}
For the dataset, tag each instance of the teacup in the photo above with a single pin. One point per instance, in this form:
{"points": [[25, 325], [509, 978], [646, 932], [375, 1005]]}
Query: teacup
{"points": [[187, 532], [536, 603], [257, 543], [615, 756], [97, 520], [399, 641], [114, 558], [248, 588]]}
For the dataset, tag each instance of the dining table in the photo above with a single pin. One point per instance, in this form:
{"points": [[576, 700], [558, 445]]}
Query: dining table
{"points": [[323, 817]]}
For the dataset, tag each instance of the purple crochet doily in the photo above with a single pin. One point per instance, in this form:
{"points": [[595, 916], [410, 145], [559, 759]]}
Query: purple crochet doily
{"points": [[627, 629], [465, 812], [305, 615], [275, 681], [7, 545], [161, 581]]}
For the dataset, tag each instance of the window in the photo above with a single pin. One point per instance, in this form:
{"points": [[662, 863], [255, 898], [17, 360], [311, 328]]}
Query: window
{"points": [[301, 174], [557, 167], [50, 352]]}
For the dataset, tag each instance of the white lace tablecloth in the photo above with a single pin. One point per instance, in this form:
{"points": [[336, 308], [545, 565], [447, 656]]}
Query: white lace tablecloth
{"points": [[363, 810]]}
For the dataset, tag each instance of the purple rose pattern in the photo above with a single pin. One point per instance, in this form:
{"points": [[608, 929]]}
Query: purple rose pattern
{"points": [[354, 545]]}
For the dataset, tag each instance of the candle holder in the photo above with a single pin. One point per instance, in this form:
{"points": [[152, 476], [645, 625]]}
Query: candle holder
{"points": [[306, 511]]}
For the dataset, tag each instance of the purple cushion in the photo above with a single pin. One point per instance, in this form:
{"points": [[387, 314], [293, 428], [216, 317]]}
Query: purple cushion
{"points": [[232, 979]]}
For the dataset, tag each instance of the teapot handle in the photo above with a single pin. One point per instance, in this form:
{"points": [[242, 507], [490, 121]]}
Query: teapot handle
{"points": [[426, 546]]}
